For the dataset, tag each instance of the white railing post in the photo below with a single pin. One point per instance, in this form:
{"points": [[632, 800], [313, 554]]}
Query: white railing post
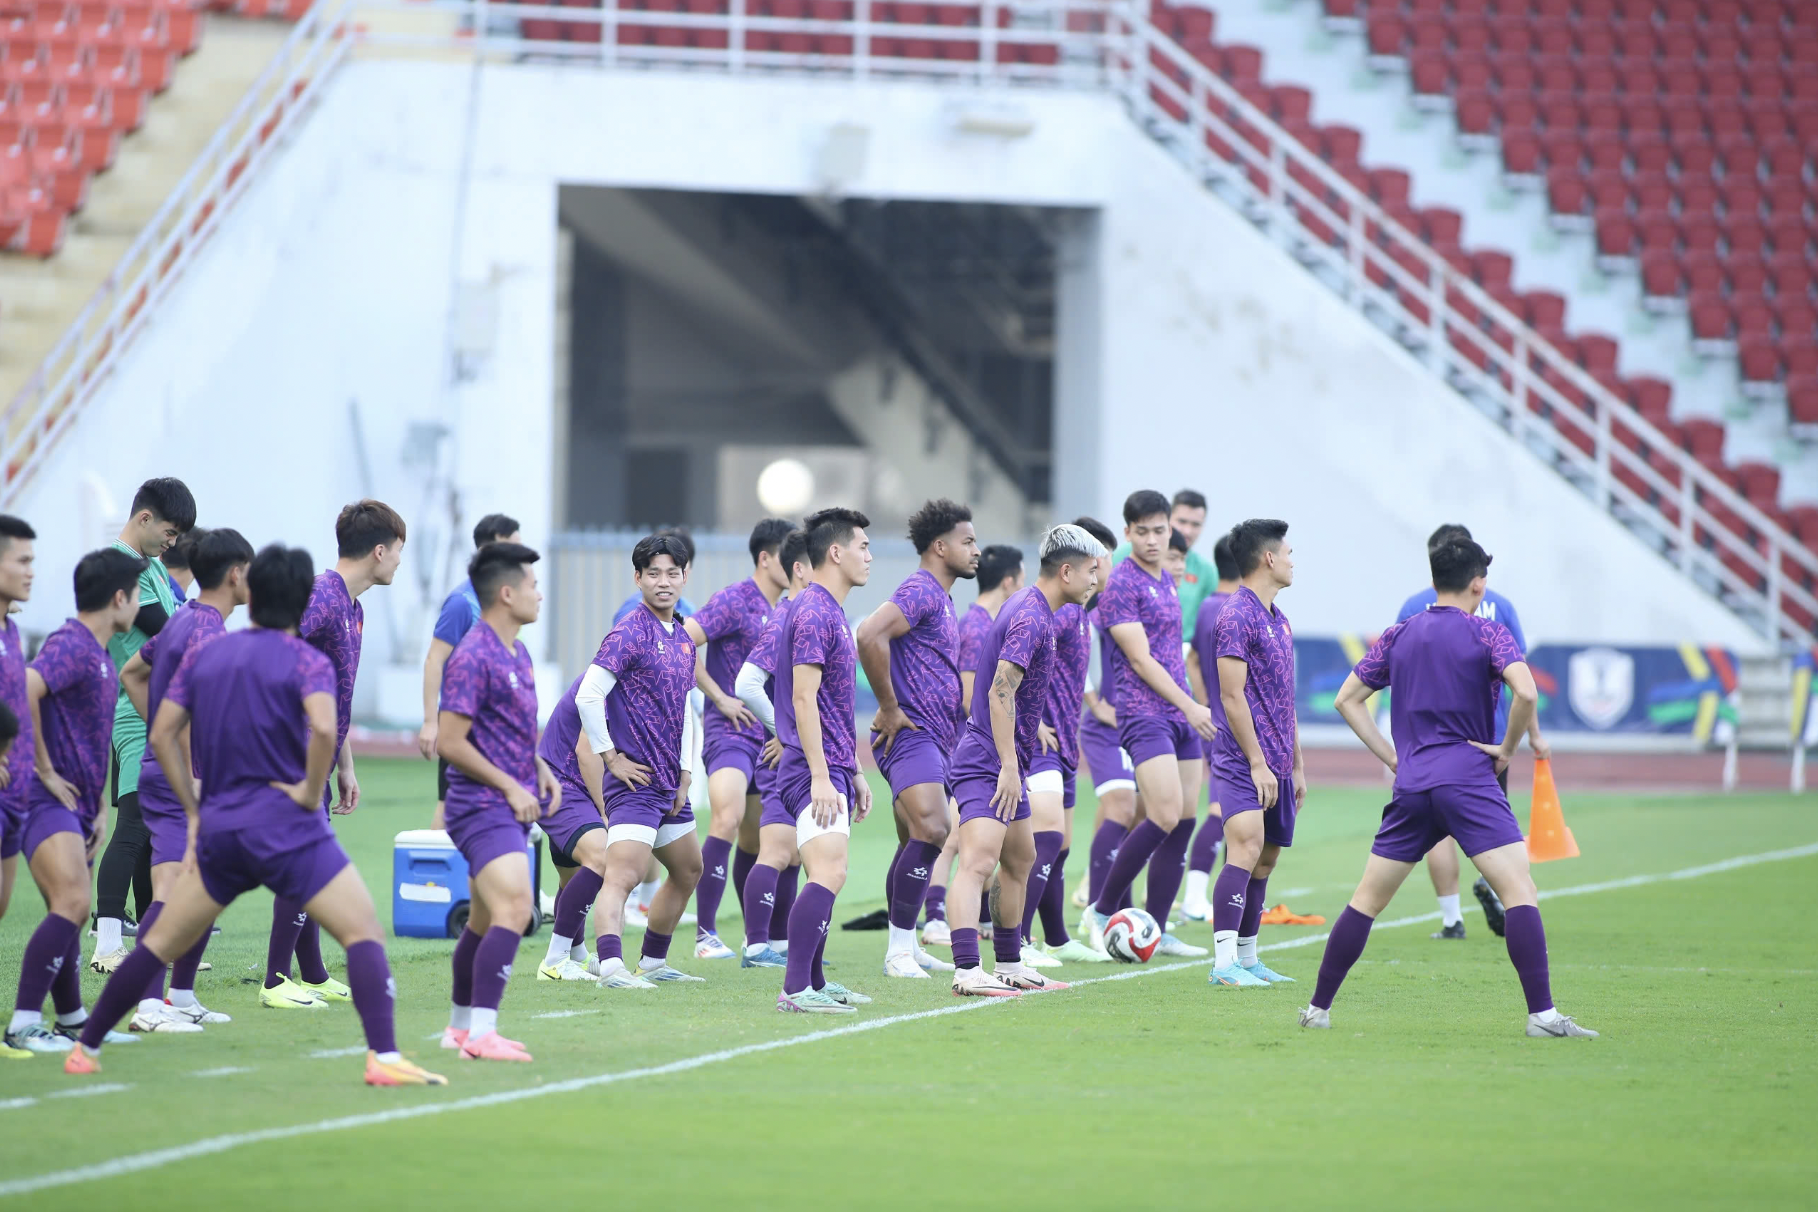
{"points": [[1688, 501], [1354, 250], [735, 36], [987, 41], [1518, 387], [1436, 315], [861, 39], [1604, 438], [1776, 554], [609, 33], [1278, 190]]}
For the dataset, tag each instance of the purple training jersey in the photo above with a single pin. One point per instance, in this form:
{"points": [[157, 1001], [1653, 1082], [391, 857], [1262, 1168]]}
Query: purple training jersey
{"points": [[1444, 670], [1205, 648], [561, 733], [1023, 634], [763, 655], [1133, 596], [1067, 684], [815, 633], [1262, 639], [195, 624], [77, 714], [654, 666], [496, 688], [333, 623], [733, 620], [12, 693], [924, 661], [974, 625], [248, 728]]}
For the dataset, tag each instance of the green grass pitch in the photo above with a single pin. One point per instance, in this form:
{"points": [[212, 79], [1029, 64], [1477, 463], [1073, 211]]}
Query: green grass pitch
{"points": [[1146, 1092]]}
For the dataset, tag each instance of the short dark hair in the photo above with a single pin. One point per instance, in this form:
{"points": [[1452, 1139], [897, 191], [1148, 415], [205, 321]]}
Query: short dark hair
{"points": [[1451, 532], [101, 574], [829, 527], [794, 550], [681, 535], [364, 525], [1250, 539], [169, 500], [661, 543], [214, 553], [1178, 541], [997, 564], [1191, 498], [1456, 564], [497, 564], [279, 584], [1223, 560], [493, 528], [14, 528], [9, 726], [1144, 503], [768, 535], [934, 519], [179, 554], [1097, 530]]}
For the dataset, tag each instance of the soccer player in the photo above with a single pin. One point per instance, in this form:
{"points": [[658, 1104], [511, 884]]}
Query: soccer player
{"points": [[767, 893], [633, 704], [220, 560], [999, 743], [258, 707], [724, 633], [70, 692], [1158, 723], [1113, 777], [460, 611], [578, 771], [163, 511], [818, 779], [1256, 756], [909, 648], [176, 563], [1174, 560], [1442, 863], [1202, 670], [1446, 667], [683, 606], [1186, 514], [497, 786], [16, 559], [369, 544]]}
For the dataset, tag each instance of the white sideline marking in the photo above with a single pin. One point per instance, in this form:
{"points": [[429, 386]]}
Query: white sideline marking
{"points": [[565, 1013], [333, 1053], [152, 1159], [87, 1091], [223, 1071], [13, 1104]]}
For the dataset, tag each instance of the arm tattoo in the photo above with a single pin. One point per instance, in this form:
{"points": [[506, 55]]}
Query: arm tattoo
{"points": [[1005, 683]]}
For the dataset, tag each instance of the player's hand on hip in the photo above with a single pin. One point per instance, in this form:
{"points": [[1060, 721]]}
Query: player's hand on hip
{"points": [[1008, 794], [1050, 740], [824, 801], [1106, 713], [887, 723], [1268, 787], [773, 753], [1494, 752], [628, 772], [1199, 717], [735, 711], [299, 795], [426, 740], [524, 805], [59, 788]]}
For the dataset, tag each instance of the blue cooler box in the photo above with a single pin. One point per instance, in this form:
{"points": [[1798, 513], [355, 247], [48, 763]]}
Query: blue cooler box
{"points": [[429, 896]]}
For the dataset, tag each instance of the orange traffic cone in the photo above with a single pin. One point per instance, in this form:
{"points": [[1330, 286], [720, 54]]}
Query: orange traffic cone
{"points": [[1548, 837]]}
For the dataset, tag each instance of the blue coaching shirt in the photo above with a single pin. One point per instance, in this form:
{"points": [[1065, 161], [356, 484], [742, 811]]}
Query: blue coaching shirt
{"points": [[1494, 607], [460, 611]]}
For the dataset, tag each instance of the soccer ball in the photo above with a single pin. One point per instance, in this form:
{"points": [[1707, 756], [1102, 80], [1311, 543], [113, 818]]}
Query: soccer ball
{"points": [[1131, 936]]}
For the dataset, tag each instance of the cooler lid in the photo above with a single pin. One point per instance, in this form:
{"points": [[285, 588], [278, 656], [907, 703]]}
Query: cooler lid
{"points": [[429, 838]]}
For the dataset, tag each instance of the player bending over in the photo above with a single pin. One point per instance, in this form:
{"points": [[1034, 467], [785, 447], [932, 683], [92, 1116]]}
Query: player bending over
{"points": [[1446, 668]]}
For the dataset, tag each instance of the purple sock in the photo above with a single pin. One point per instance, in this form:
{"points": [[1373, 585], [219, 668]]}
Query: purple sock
{"points": [[1054, 903], [890, 876], [656, 945], [742, 863], [492, 966], [465, 948], [287, 919], [714, 855], [1134, 851], [183, 972], [986, 924], [1346, 943], [309, 953], [46, 955], [1104, 852], [914, 864], [1047, 847], [760, 903], [1228, 897], [573, 901], [1167, 867], [156, 987], [818, 974], [1527, 940], [934, 905], [1006, 947], [1205, 844], [807, 931], [120, 995], [965, 947], [369, 976], [609, 947], [66, 989], [1128, 898], [788, 883], [1255, 901]]}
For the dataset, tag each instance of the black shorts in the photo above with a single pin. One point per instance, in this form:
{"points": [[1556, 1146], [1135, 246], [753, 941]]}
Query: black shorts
{"points": [[441, 779], [1502, 780], [563, 856]]}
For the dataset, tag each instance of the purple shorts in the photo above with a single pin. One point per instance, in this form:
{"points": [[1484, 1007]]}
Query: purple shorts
{"points": [[914, 758], [1103, 755], [235, 861], [1152, 736], [1052, 760], [1238, 791], [974, 792], [573, 817], [644, 806], [791, 787], [43, 820], [485, 833], [1415, 821], [1213, 786], [164, 821], [727, 750], [12, 831]]}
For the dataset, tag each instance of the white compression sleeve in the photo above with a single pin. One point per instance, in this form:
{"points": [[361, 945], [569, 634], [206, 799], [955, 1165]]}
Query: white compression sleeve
{"points": [[749, 686], [590, 701]]}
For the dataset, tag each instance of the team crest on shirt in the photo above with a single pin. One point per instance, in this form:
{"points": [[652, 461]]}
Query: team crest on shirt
{"points": [[512, 676], [1600, 685]]}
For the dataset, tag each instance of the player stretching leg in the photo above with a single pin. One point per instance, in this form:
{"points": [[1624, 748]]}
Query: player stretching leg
{"points": [[578, 815], [70, 691], [1257, 754], [1000, 742], [1158, 723], [1445, 668], [220, 561], [910, 649], [16, 558], [487, 731], [258, 707], [633, 704], [725, 631], [818, 779], [1202, 669]]}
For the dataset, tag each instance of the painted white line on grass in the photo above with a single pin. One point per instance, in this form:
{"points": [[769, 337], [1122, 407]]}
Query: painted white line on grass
{"points": [[155, 1158], [88, 1091], [335, 1053], [223, 1071], [567, 1013], [13, 1104]]}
